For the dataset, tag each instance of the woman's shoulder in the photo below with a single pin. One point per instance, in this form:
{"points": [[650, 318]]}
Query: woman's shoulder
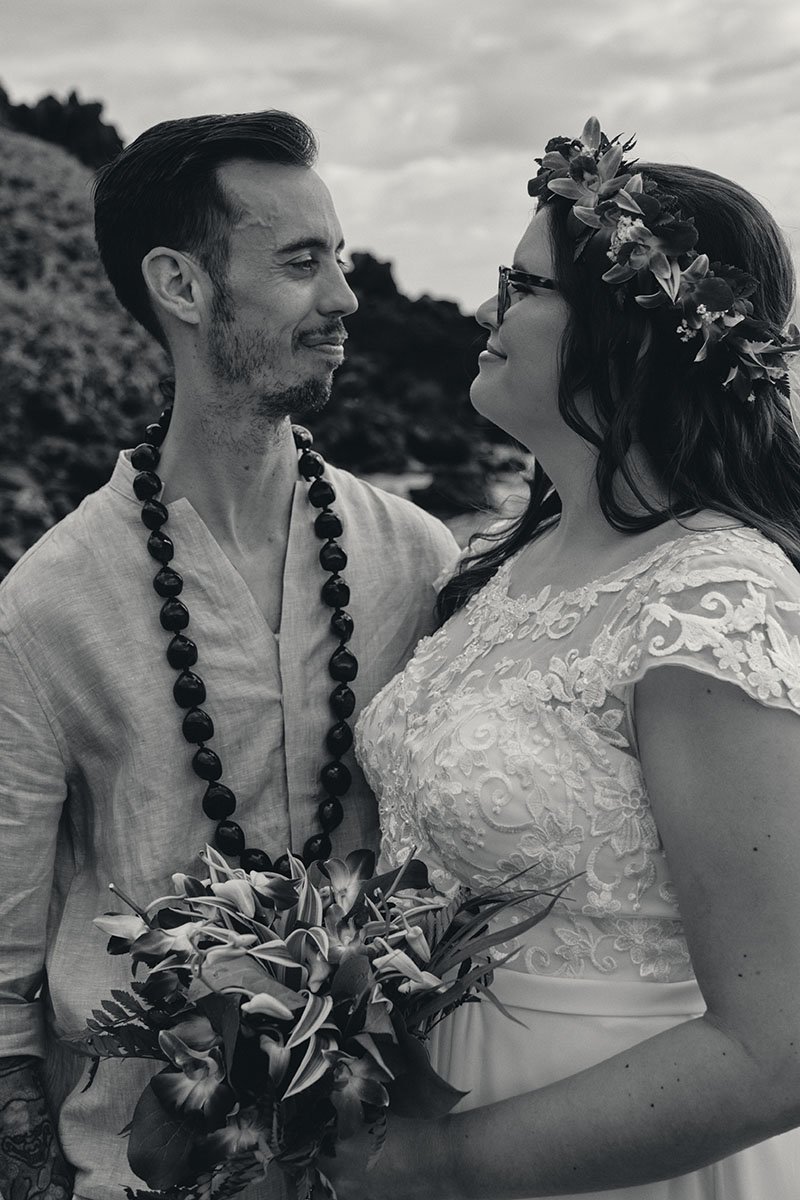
{"points": [[723, 601], [722, 554]]}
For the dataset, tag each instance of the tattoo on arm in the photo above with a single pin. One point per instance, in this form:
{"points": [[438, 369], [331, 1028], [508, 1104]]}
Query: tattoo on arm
{"points": [[32, 1166]]}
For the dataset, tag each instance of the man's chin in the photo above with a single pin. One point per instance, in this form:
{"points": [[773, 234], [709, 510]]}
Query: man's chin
{"points": [[310, 396]]}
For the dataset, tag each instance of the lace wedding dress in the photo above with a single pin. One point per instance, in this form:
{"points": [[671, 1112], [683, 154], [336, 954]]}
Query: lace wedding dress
{"points": [[509, 742]]}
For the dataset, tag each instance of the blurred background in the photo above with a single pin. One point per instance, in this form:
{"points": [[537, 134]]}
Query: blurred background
{"points": [[429, 116]]}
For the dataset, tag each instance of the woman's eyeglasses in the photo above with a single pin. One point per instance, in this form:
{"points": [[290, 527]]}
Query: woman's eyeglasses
{"points": [[510, 277]]}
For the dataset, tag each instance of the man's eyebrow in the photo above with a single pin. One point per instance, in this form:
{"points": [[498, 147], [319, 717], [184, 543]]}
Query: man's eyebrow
{"points": [[309, 243]]}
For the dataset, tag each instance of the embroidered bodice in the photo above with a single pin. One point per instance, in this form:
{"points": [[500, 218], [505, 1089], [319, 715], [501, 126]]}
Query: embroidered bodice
{"points": [[509, 740]]}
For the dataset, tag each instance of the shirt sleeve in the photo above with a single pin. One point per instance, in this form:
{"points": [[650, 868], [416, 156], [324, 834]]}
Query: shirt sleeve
{"points": [[32, 794], [734, 617]]}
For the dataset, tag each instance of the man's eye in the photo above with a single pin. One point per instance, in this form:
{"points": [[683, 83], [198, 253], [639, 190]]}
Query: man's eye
{"points": [[305, 264], [345, 265]]}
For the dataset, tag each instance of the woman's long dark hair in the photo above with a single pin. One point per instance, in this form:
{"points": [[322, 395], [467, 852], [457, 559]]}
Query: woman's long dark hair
{"points": [[709, 450]]}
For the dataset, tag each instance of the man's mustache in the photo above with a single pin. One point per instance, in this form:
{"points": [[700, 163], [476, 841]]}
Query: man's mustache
{"points": [[333, 332]]}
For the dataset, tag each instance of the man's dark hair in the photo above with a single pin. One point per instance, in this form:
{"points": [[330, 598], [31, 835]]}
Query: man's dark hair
{"points": [[163, 190]]}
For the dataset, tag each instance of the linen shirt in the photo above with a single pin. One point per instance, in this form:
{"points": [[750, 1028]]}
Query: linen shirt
{"points": [[96, 784]]}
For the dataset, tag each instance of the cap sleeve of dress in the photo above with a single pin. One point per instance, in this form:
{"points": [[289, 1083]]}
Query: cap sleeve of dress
{"points": [[723, 603]]}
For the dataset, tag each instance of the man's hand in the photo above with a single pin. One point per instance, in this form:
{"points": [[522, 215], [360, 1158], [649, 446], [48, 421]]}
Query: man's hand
{"points": [[32, 1166]]}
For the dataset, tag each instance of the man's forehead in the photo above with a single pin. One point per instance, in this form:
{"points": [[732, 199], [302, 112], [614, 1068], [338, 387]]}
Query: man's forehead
{"points": [[289, 203]]}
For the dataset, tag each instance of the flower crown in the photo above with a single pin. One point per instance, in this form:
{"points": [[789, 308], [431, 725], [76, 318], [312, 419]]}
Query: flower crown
{"points": [[651, 240]]}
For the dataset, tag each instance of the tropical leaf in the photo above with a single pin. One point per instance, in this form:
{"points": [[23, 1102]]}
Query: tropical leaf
{"points": [[161, 1146], [417, 1090]]}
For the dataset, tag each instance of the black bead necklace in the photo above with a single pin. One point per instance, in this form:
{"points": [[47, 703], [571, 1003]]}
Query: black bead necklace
{"points": [[219, 802]]}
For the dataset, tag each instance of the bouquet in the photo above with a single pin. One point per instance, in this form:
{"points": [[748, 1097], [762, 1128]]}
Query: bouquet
{"points": [[288, 1013]]}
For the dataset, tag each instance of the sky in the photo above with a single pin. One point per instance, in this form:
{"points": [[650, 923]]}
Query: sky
{"points": [[430, 112]]}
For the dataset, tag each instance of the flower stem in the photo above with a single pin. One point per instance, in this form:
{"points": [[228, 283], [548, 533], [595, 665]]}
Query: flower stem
{"points": [[112, 887]]}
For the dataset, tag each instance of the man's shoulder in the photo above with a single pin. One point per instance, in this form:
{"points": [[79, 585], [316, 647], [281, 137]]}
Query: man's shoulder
{"points": [[399, 517], [64, 561]]}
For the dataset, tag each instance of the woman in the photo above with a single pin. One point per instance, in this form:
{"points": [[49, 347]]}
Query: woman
{"points": [[615, 695]]}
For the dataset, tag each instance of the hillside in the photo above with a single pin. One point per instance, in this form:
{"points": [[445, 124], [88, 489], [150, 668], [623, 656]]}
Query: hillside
{"points": [[80, 379]]}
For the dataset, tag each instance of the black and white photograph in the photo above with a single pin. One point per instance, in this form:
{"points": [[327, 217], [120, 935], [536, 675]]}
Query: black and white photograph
{"points": [[399, 600]]}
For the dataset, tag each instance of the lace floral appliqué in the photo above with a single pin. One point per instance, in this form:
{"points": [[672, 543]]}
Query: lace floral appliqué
{"points": [[508, 743]]}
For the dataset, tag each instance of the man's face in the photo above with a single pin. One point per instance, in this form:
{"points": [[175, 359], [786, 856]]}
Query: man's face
{"points": [[275, 334]]}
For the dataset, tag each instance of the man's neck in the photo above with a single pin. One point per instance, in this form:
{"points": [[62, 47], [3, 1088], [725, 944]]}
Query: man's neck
{"points": [[238, 476]]}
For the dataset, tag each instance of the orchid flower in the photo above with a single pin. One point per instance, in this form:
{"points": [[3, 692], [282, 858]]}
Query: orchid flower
{"points": [[356, 1081], [243, 1131], [199, 1085]]}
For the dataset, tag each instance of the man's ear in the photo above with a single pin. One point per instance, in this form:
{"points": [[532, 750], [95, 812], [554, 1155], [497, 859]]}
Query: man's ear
{"points": [[176, 285]]}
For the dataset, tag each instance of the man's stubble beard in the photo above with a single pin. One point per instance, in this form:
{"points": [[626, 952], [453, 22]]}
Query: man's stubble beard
{"points": [[241, 361]]}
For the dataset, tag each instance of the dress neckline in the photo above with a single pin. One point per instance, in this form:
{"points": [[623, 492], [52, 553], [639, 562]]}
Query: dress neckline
{"points": [[631, 568]]}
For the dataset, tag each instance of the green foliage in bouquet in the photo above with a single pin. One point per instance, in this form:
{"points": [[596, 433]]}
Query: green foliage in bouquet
{"points": [[288, 1014]]}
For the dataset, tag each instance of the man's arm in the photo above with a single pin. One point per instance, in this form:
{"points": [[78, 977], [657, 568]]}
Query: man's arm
{"points": [[31, 1162], [32, 792]]}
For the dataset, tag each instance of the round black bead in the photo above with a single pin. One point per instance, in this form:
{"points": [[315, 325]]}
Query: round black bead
{"points": [[342, 625], [330, 813], [219, 802], [154, 434], [335, 593], [317, 847], [303, 438], [181, 652], [332, 557], [328, 525], [229, 838], [154, 514], [146, 485], [189, 691], [311, 464], [253, 859], [164, 417], [145, 457], [174, 615], [342, 701], [339, 738], [207, 765], [198, 727], [160, 547], [335, 778], [343, 665], [168, 582], [281, 865], [321, 494]]}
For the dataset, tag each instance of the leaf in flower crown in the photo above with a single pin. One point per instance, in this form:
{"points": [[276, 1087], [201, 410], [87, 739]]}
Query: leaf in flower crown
{"points": [[568, 188], [609, 163], [590, 134], [653, 300], [627, 203], [619, 273], [587, 215]]}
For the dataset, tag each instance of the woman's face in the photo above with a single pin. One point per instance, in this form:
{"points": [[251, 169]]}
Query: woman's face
{"points": [[517, 384]]}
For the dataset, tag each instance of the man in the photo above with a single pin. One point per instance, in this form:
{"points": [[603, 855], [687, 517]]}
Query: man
{"points": [[220, 238]]}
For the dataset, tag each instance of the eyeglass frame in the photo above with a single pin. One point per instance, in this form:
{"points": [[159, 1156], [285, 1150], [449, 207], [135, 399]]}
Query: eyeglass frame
{"points": [[511, 276]]}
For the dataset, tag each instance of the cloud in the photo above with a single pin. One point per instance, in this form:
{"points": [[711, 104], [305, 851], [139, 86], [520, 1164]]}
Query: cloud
{"points": [[430, 112]]}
